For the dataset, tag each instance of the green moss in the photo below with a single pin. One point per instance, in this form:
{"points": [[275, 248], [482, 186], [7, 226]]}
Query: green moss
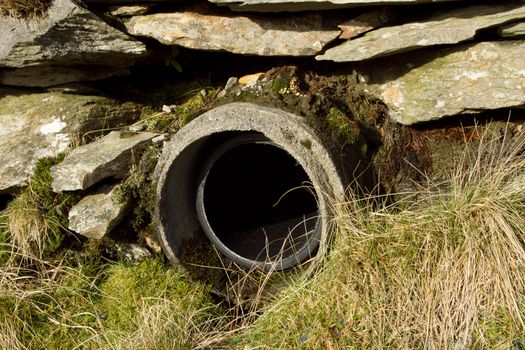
{"points": [[281, 83], [139, 189], [53, 206], [129, 288], [190, 106], [36, 220], [306, 143], [347, 128]]}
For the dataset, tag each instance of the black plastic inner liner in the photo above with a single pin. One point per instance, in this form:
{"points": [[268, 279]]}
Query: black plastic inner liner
{"points": [[259, 203]]}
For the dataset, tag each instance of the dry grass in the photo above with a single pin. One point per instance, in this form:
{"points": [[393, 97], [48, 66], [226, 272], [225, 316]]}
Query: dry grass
{"points": [[58, 307], [444, 269], [446, 272], [28, 228], [24, 8]]}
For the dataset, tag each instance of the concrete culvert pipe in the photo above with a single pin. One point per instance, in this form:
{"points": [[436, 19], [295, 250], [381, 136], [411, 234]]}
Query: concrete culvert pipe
{"points": [[257, 182]]}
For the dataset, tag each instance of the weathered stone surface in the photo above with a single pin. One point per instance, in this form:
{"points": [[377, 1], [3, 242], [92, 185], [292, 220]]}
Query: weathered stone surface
{"points": [[132, 252], [96, 214], [250, 79], [366, 22], [109, 156], [458, 80], [47, 76], [199, 28], [127, 1], [303, 5], [448, 27], [512, 30], [68, 35], [33, 126], [130, 10]]}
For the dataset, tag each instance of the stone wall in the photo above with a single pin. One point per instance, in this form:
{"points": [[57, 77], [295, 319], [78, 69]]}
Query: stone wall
{"points": [[422, 60]]}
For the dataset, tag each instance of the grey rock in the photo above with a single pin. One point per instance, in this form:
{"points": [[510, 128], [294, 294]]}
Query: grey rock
{"points": [[232, 81], [153, 244], [48, 76], [448, 27], [132, 252], [74, 88], [166, 109], [33, 126], [110, 156], [97, 213], [304, 5], [160, 138], [230, 85], [458, 80], [130, 10], [366, 22], [512, 30], [202, 28], [137, 127], [68, 35]]}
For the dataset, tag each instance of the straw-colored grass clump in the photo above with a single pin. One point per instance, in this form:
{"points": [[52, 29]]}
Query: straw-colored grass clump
{"points": [[446, 271], [443, 269]]}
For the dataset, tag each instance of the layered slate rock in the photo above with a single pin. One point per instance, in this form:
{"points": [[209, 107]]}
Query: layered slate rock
{"points": [[130, 10], [512, 30], [458, 80], [67, 35], [48, 76], [33, 126], [366, 22], [202, 28], [97, 213], [448, 27], [110, 156], [303, 5]]}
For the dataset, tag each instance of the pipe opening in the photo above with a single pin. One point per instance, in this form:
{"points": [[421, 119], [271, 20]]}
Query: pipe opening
{"points": [[255, 204]]}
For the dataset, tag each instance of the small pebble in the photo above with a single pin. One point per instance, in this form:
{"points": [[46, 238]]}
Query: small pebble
{"points": [[159, 138], [166, 109], [137, 127], [231, 83]]}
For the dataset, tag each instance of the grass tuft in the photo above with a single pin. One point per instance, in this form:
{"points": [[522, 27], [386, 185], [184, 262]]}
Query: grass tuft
{"points": [[36, 219], [446, 272], [24, 8]]}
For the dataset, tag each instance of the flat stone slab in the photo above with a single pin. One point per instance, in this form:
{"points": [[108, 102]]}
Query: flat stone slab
{"points": [[512, 30], [449, 27], [304, 5], [37, 125], [203, 28], [109, 156], [67, 35], [97, 213], [366, 22], [48, 76], [130, 10], [459, 80]]}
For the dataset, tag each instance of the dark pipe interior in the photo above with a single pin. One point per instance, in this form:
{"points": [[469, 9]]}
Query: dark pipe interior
{"points": [[256, 202]]}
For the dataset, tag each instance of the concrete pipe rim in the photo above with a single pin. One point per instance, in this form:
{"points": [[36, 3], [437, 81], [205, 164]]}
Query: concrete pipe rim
{"points": [[177, 226], [304, 251]]}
